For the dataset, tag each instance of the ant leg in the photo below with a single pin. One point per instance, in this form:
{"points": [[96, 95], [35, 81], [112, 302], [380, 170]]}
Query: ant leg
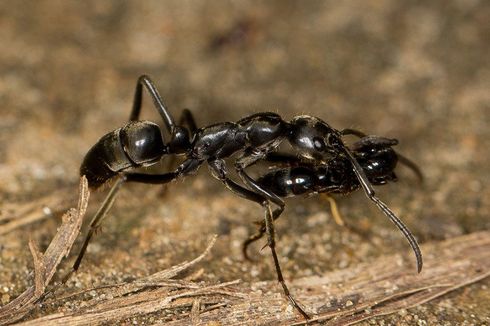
{"points": [[246, 161], [187, 118], [272, 245], [260, 233], [354, 132], [160, 106], [95, 223], [401, 158], [402, 227], [218, 170], [412, 166], [240, 165], [285, 159], [187, 167], [334, 210], [369, 191]]}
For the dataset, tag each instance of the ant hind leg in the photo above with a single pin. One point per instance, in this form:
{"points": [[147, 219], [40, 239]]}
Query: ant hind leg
{"points": [[272, 245], [160, 106], [259, 234], [95, 223]]}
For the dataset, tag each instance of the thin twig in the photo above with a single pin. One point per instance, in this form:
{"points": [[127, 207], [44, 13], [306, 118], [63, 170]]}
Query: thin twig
{"points": [[16, 215], [45, 265]]}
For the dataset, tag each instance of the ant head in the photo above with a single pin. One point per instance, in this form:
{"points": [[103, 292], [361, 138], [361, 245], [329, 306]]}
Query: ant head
{"points": [[377, 158], [314, 138], [143, 142]]}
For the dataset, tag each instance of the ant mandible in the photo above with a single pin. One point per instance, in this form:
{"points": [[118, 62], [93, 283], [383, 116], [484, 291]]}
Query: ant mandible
{"points": [[141, 144]]}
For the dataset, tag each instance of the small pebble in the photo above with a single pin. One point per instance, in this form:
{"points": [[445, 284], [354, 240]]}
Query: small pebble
{"points": [[5, 298]]}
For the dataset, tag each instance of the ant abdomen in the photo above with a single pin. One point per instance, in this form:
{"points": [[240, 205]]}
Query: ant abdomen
{"points": [[290, 182], [139, 143]]}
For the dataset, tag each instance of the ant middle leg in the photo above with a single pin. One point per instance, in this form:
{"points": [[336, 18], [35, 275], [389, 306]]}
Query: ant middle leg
{"points": [[218, 170]]}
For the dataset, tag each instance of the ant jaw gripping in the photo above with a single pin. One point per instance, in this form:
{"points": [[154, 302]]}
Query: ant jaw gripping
{"points": [[369, 191]]}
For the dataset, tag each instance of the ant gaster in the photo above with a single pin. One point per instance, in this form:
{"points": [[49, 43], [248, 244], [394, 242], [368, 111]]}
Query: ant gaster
{"points": [[140, 143]]}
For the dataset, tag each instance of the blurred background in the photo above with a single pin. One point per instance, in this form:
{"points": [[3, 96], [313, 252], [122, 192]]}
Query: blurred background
{"points": [[413, 70]]}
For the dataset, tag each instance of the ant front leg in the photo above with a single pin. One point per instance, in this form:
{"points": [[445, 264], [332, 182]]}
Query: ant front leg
{"points": [[240, 165], [218, 170], [401, 158], [283, 159], [247, 160]]}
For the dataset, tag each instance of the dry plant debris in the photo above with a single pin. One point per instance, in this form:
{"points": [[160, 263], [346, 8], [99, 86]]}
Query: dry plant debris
{"points": [[16, 215], [45, 265], [341, 297]]}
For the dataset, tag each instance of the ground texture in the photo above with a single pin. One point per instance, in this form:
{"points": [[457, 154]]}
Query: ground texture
{"points": [[415, 71]]}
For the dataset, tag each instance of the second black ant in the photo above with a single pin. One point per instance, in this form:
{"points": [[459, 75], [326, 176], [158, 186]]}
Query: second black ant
{"points": [[296, 177], [320, 152]]}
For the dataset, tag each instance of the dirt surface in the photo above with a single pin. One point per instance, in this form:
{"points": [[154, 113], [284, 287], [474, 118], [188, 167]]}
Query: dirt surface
{"points": [[415, 71]]}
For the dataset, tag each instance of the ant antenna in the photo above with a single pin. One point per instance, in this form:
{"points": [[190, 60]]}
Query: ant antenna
{"points": [[411, 165], [403, 228], [369, 191]]}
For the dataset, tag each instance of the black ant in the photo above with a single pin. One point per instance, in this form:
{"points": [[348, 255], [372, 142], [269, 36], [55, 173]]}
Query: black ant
{"points": [[375, 155], [251, 139]]}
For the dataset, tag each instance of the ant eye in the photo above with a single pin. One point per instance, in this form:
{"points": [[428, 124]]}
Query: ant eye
{"points": [[319, 144], [332, 140]]}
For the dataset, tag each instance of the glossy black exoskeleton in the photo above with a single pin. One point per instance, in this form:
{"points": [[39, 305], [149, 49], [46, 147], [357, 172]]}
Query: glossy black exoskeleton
{"points": [[137, 144], [140, 143], [374, 154]]}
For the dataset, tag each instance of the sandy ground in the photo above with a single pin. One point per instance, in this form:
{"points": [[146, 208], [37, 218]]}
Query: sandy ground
{"points": [[414, 71]]}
